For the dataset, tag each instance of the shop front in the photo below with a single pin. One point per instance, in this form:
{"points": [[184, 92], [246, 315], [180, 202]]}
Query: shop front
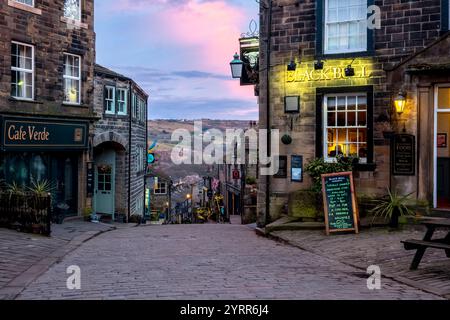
{"points": [[37, 149]]}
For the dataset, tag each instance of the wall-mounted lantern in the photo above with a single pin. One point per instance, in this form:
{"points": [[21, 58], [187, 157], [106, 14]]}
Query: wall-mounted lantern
{"points": [[292, 66], [318, 65], [236, 67], [350, 71], [400, 103]]}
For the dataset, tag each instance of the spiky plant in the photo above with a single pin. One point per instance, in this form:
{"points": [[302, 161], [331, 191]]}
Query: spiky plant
{"points": [[391, 205]]}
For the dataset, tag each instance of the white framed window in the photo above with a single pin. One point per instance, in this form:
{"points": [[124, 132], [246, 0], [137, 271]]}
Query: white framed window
{"points": [[161, 188], [72, 9], [72, 79], [122, 101], [22, 71], [345, 26], [345, 126], [27, 2], [110, 100]]}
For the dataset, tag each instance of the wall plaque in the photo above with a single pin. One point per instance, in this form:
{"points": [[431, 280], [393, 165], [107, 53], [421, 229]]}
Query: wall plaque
{"points": [[404, 155]]}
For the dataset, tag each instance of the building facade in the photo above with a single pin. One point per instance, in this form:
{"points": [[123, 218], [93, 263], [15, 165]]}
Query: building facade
{"points": [[238, 183], [329, 80], [47, 55], [119, 146]]}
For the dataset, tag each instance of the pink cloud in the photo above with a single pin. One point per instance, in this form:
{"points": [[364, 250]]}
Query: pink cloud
{"points": [[213, 28]]}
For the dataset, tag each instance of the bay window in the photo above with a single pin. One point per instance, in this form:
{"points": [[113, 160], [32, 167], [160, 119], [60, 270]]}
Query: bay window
{"points": [[345, 29], [72, 79], [22, 71]]}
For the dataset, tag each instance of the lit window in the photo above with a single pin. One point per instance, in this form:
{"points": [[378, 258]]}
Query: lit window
{"points": [[345, 26], [22, 71], [122, 101], [27, 2], [345, 126], [72, 78], [110, 100], [72, 9], [161, 188]]}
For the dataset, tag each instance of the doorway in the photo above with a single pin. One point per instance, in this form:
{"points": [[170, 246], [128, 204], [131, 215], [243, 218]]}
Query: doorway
{"points": [[105, 164], [442, 148]]}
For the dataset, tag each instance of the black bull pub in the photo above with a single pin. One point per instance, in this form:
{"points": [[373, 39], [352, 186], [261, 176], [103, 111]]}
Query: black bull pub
{"points": [[39, 149]]}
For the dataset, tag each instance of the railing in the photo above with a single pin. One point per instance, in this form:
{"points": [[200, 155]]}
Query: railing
{"points": [[26, 213]]}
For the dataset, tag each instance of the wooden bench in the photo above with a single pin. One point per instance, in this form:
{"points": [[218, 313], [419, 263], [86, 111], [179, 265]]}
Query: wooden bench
{"points": [[422, 245]]}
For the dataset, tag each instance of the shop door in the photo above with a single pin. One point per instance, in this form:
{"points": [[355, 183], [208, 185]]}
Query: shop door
{"points": [[105, 183], [442, 150]]}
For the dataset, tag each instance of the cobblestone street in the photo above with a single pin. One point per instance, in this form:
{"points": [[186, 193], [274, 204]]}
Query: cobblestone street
{"points": [[205, 262]]}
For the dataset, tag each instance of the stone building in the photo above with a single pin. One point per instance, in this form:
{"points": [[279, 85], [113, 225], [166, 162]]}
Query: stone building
{"points": [[119, 145], [329, 80], [159, 187], [47, 55], [238, 184]]}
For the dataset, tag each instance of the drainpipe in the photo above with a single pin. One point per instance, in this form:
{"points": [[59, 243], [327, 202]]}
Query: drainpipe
{"points": [[130, 96], [268, 114]]}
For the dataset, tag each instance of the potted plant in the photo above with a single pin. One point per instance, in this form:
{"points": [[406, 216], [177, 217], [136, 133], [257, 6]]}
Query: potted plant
{"points": [[392, 207], [40, 193], [87, 212]]}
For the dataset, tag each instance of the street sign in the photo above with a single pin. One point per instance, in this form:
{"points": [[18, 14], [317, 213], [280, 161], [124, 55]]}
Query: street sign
{"points": [[236, 174]]}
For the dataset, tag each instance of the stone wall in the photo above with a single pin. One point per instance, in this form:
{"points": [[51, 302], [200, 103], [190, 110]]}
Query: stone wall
{"points": [[52, 37], [114, 131]]}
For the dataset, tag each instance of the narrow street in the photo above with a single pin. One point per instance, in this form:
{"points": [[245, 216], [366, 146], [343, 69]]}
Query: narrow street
{"points": [[205, 262]]}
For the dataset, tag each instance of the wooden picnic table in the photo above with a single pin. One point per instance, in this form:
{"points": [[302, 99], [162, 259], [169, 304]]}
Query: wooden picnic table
{"points": [[428, 242]]}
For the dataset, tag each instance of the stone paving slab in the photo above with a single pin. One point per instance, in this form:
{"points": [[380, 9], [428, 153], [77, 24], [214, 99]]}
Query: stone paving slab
{"points": [[379, 246], [23, 257], [201, 262]]}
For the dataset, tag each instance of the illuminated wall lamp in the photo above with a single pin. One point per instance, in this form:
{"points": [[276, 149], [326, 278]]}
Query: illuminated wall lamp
{"points": [[400, 103]]}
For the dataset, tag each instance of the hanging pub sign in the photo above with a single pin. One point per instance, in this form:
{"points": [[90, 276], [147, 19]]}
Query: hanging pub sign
{"points": [[341, 209], [249, 48], [42, 134], [297, 168], [404, 155]]}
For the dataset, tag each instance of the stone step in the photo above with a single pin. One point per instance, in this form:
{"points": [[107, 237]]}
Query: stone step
{"points": [[441, 213]]}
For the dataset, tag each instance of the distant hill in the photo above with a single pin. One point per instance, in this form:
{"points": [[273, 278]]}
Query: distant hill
{"points": [[161, 130]]}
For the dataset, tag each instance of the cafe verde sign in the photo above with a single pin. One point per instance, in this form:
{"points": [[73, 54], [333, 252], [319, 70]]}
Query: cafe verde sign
{"points": [[327, 73], [20, 134]]}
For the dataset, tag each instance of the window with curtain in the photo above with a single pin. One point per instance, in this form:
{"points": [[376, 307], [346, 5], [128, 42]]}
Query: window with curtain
{"points": [[345, 26], [22, 71], [72, 9], [72, 78]]}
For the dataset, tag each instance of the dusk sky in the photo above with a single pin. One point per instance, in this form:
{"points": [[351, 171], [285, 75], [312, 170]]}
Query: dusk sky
{"points": [[179, 52]]}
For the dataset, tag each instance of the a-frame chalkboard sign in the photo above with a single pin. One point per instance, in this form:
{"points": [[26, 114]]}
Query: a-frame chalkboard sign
{"points": [[341, 208]]}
